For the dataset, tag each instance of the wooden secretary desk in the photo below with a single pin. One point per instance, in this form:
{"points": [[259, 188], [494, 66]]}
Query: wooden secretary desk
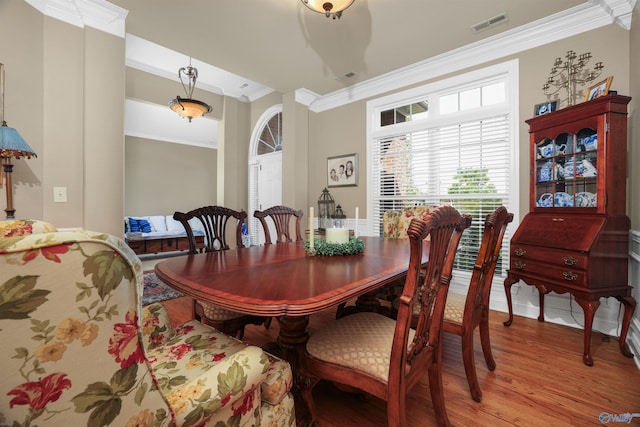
{"points": [[575, 237]]}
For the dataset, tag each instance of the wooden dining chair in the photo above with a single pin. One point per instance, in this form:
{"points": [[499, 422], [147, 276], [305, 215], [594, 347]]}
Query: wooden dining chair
{"points": [[214, 221], [281, 217], [385, 357], [464, 313]]}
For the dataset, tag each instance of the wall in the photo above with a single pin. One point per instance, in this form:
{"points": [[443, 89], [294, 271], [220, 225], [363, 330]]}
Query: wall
{"points": [[62, 82], [24, 101], [162, 177], [634, 180]]}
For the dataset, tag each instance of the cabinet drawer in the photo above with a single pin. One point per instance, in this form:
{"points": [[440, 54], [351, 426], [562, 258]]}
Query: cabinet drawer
{"points": [[562, 275], [558, 257]]}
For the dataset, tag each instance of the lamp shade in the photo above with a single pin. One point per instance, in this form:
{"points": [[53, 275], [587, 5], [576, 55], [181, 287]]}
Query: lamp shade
{"points": [[329, 8], [189, 108], [12, 144]]}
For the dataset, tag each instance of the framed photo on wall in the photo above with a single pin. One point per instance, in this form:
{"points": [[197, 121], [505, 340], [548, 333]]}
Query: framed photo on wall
{"points": [[599, 89], [545, 107], [342, 171]]}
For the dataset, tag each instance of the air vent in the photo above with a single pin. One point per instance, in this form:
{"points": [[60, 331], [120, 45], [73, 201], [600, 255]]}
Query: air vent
{"points": [[346, 76], [492, 22]]}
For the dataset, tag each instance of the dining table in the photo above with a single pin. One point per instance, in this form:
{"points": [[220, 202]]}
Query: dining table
{"points": [[283, 281]]}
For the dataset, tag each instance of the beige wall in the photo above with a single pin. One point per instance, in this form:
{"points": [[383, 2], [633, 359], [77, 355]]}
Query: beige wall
{"points": [[333, 133], [163, 177], [633, 183], [24, 101], [66, 92]]}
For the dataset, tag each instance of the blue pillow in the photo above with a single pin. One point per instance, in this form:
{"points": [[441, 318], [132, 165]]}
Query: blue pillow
{"points": [[145, 226], [137, 225], [134, 227]]}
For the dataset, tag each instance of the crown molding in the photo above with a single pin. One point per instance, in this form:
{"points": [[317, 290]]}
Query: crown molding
{"points": [[620, 11], [306, 97], [579, 19], [98, 14]]}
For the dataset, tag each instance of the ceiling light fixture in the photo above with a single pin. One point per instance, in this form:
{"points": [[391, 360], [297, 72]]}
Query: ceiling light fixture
{"points": [[189, 107], [329, 8]]}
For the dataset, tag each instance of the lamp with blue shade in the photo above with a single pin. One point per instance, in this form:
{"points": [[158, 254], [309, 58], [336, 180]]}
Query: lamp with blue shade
{"points": [[11, 145]]}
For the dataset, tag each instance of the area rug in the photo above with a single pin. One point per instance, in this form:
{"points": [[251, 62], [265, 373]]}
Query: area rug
{"points": [[155, 290]]}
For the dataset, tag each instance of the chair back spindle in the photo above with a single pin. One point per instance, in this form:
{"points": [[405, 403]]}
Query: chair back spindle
{"points": [[281, 217], [214, 221]]}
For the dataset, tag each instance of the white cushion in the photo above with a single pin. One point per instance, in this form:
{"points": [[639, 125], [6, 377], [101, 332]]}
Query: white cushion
{"points": [[173, 225], [158, 223], [196, 225]]}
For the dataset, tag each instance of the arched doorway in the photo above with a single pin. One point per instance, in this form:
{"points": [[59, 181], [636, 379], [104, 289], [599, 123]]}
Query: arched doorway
{"points": [[265, 168]]}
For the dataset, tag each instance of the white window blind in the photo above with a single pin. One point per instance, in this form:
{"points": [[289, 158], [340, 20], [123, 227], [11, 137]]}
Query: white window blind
{"points": [[460, 155]]}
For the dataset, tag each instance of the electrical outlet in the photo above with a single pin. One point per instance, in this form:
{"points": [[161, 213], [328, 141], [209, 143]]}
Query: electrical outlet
{"points": [[59, 194]]}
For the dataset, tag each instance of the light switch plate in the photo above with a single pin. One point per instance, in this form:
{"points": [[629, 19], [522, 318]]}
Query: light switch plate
{"points": [[59, 194]]}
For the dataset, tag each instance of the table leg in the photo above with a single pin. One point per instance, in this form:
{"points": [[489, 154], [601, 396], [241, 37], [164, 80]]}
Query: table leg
{"points": [[589, 308], [541, 293], [291, 340], [629, 307], [508, 282]]}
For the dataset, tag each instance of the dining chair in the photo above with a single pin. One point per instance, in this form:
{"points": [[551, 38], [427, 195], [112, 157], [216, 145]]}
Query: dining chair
{"points": [[281, 217], [214, 221], [464, 313], [385, 357]]}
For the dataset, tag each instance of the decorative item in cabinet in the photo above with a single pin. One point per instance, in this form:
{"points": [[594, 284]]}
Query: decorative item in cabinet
{"points": [[575, 238]]}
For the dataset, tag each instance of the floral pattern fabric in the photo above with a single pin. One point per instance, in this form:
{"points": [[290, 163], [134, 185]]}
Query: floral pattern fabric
{"points": [[396, 223], [74, 353]]}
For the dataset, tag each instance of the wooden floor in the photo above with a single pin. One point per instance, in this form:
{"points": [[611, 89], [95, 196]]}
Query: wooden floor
{"points": [[540, 379]]}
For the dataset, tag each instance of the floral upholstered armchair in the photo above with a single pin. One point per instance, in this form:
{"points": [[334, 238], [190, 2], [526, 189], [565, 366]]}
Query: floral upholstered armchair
{"points": [[78, 348]]}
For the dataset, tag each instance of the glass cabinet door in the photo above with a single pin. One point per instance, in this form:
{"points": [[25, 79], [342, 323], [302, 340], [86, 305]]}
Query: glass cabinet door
{"points": [[566, 170]]}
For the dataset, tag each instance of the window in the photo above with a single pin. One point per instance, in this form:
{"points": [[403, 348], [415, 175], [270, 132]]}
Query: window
{"points": [[458, 151], [271, 135]]}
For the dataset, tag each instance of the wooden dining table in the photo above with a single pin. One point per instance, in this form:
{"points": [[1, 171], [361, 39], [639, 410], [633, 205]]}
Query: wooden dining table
{"points": [[282, 281]]}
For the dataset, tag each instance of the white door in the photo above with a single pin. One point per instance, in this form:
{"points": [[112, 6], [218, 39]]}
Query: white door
{"points": [[265, 169], [269, 186]]}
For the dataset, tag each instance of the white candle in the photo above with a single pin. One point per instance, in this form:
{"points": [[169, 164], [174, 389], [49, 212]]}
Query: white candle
{"points": [[337, 235], [311, 230], [355, 231]]}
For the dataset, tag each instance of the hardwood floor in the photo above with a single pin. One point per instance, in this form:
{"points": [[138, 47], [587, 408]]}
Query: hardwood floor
{"points": [[539, 380]]}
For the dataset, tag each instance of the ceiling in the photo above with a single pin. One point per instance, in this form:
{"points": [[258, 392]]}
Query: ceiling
{"points": [[247, 48]]}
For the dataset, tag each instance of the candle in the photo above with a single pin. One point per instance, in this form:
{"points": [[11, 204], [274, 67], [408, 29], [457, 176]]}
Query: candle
{"points": [[337, 235], [311, 230], [355, 231]]}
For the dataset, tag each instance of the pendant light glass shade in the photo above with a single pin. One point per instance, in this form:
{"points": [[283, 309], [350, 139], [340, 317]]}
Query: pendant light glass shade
{"points": [[332, 8]]}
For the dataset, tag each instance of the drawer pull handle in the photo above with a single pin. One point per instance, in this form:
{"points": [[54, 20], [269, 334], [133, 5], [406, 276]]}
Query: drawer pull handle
{"points": [[557, 219], [569, 260], [520, 252], [520, 265], [569, 276]]}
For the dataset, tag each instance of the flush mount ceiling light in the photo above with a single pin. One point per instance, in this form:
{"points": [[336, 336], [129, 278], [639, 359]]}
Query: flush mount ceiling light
{"points": [[189, 107], [329, 8]]}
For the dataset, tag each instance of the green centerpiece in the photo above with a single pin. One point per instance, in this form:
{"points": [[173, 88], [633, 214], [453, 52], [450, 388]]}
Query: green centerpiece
{"points": [[321, 247]]}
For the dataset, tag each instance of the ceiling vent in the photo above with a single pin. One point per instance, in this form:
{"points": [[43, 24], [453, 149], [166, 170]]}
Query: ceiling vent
{"points": [[489, 23]]}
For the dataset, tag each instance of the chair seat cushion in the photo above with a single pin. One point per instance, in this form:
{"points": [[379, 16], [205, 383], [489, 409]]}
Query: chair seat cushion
{"points": [[361, 341], [454, 310], [217, 313]]}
